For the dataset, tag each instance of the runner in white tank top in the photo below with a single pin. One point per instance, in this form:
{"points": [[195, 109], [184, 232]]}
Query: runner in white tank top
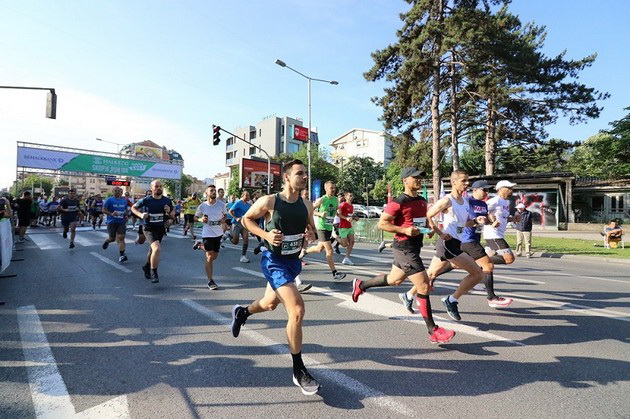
{"points": [[456, 217]]}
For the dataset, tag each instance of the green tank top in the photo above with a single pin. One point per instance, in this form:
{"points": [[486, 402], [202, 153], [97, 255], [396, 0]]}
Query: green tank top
{"points": [[291, 220], [329, 206]]}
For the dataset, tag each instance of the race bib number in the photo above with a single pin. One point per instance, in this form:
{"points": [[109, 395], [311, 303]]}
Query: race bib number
{"points": [[420, 222], [330, 220], [192, 207], [460, 230], [156, 218], [72, 207], [292, 244], [213, 223]]}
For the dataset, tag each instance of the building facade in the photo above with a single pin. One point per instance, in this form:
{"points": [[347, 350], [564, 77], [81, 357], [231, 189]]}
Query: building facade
{"points": [[275, 135], [360, 142]]}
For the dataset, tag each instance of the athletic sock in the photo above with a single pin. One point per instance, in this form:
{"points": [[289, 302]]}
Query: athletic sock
{"points": [[147, 265], [410, 295], [247, 313], [244, 251], [298, 281], [488, 280], [334, 272], [378, 281], [452, 299], [122, 252], [498, 260], [424, 304], [154, 270], [298, 364]]}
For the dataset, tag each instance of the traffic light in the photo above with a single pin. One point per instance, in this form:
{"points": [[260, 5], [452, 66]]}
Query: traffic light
{"points": [[216, 136], [271, 183], [51, 105]]}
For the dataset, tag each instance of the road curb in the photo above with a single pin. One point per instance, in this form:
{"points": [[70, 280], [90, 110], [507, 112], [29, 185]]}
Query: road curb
{"points": [[583, 258]]}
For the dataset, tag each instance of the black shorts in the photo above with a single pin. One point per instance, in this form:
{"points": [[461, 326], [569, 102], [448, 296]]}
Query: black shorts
{"points": [[96, 213], [212, 244], [140, 230], [189, 218], [407, 258], [446, 250], [324, 235], [154, 234], [474, 249], [498, 245], [114, 229], [66, 222], [24, 220]]}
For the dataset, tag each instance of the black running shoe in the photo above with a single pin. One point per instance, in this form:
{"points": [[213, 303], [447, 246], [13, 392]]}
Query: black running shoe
{"points": [[238, 319], [147, 271], [155, 278], [213, 285], [122, 258], [306, 382], [337, 249], [451, 308], [407, 302], [71, 245], [257, 249], [381, 247], [197, 245], [105, 245], [65, 234]]}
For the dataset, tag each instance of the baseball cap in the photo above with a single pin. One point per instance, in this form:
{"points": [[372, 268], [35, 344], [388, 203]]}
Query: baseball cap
{"points": [[521, 205], [412, 172], [481, 184], [504, 184]]}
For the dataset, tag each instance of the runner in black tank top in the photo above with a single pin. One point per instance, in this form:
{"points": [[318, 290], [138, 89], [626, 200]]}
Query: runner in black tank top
{"points": [[288, 217]]}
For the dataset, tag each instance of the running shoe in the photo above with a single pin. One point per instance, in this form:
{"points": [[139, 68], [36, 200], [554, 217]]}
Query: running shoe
{"points": [[105, 245], [451, 308], [499, 302], [303, 287], [197, 245], [65, 234], [306, 382], [489, 251], [155, 278], [71, 245], [147, 271], [338, 276], [302, 254], [212, 285], [244, 259], [479, 287], [441, 335], [529, 255], [257, 249], [122, 258], [238, 319], [337, 249], [381, 247], [407, 302], [347, 261], [356, 289]]}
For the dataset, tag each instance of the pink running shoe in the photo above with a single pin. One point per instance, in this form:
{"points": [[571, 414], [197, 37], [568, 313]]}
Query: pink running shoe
{"points": [[500, 302], [356, 289], [441, 335]]}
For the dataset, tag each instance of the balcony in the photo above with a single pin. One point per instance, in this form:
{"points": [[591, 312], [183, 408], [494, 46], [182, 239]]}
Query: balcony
{"points": [[231, 162]]}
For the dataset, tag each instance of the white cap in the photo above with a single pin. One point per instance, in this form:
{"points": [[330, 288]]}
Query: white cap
{"points": [[521, 206], [504, 184]]}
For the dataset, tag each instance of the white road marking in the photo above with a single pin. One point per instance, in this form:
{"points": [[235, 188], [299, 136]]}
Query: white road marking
{"points": [[48, 390], [337, 377], [585, 277], [380, 306], [44, 242], [110, 262]]}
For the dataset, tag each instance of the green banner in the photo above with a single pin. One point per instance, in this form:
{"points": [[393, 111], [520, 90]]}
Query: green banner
{"points": [[107, 165]]}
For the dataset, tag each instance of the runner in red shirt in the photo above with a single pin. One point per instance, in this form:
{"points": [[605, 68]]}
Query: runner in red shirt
{"points": [[406, 216], [346, 232]]}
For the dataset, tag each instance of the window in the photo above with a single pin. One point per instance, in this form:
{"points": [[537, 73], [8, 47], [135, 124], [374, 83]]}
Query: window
{"points": [[292, 148], [252, 135], [260, 132], [598, 203], [282, 130], [616, 203], [252, 150]]}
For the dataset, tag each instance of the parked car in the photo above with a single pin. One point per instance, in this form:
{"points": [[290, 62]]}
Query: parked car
{"points": [[377, 210], [361, 211]]}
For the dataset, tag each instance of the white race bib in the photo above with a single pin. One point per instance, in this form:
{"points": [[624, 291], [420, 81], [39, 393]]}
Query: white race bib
{"points": [[213, 223], [330, 220], [291, 244], [156, 218], [420, 222]]}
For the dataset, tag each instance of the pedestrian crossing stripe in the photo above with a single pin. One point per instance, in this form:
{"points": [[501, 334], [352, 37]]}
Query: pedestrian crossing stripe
{"points": [[55, 240]]}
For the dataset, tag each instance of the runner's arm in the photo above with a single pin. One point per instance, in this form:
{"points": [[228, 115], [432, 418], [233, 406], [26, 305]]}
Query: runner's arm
{"points": [[316, 205], [136, 209], [260, 208], [441, 205], [310, 224]]}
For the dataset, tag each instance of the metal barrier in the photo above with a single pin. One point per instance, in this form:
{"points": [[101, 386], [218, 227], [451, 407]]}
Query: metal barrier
{"points": [[6, 243], [366, 230]]}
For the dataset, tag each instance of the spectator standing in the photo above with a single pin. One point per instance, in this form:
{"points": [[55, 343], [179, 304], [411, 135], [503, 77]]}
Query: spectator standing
{"points": [[524, 231], [24, 205]]}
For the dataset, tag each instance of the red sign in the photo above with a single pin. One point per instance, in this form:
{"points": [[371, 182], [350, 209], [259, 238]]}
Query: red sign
{"points": [[254, 174], [118, 182], [300, 133]]}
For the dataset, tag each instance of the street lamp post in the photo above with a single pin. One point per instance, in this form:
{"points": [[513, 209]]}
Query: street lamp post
{"points": [[308, 144], [118, 145]]}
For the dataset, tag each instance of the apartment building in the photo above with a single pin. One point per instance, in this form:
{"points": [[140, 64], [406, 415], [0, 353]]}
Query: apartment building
{"points": [[360, 142], [275, 135]]}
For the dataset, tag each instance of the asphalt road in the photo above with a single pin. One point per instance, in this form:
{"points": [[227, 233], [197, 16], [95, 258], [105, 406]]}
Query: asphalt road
{"points": [[79, 335]]}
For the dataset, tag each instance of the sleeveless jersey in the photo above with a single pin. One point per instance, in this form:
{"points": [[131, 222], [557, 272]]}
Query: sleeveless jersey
{"points": [[456, 217], [291, 220]]}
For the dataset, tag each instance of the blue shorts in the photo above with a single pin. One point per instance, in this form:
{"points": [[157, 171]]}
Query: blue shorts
{"points": [[279, 270]]}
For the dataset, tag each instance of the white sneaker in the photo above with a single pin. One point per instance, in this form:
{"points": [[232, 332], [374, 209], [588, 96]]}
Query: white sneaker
{"points": [[479, 287], [490, 252], [244, 259], [347, 261]]}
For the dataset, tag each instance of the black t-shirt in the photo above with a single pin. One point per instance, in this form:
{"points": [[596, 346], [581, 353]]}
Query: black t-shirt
{"points": [[72, 205], [155, 208], [24, 207]]}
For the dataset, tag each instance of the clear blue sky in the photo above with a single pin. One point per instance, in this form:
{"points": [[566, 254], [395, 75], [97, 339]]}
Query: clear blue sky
{"points": [[167, 70]]}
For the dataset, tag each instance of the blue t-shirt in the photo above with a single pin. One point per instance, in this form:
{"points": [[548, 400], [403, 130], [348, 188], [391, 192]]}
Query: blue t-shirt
{"points": [[52, 206], [155, 209], [228, 207], [473, 234], [120, 206], [240, 208]]}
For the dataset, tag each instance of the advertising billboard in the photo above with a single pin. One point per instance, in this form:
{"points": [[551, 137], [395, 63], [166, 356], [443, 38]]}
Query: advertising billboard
{"points": [[254, 174], [148, 152], [36, 158], [300, 133]]}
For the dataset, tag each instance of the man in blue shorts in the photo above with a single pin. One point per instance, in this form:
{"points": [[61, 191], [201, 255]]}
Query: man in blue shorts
{"points": [[288, 218]]}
